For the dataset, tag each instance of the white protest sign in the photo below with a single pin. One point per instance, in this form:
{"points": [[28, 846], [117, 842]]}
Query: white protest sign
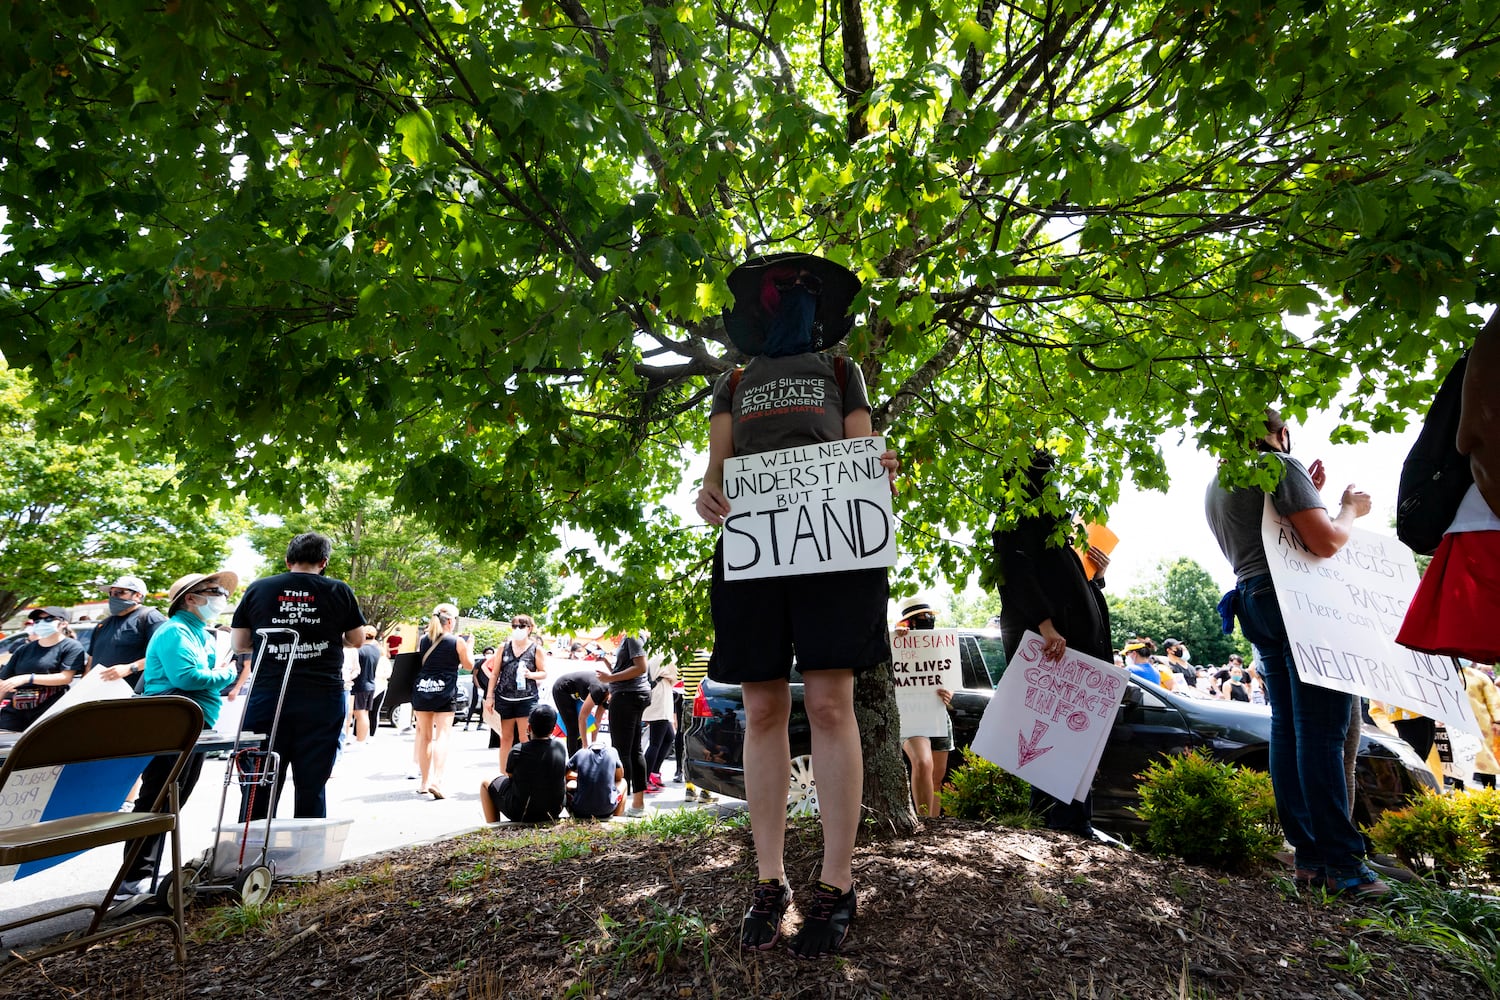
{"points": [[817, 509], [90, 687], [922, 661], [1342, 615], [1048, 720]]}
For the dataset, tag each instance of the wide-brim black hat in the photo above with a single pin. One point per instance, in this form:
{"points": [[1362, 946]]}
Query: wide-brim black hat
{"points": [[746, 323]]}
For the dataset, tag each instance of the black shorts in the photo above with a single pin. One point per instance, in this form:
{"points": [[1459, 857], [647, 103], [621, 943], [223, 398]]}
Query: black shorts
{"points": [[509, 709], [363, 701], [831, 621]]}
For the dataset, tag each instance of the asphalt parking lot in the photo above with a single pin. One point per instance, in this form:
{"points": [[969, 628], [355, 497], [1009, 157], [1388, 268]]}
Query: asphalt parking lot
{"points": [[369, 786]]}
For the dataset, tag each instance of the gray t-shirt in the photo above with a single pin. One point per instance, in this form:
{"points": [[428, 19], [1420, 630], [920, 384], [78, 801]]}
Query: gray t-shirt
{"points": [[1234, 516], [596, 794], [789, 402]]}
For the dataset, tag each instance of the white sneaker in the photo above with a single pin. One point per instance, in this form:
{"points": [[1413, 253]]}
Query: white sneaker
{"points": [[631, 812], [127, 890]]}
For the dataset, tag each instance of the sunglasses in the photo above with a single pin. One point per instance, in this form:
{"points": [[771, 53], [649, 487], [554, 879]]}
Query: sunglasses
{"points": [[212, 592], [45, 618], [809, 282]]}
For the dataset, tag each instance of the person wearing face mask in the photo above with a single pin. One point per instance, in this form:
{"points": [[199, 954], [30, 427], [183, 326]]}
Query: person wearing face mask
{"points": [[117, 648], [789, 309], [181, 659], [514, 691], [928, 754], [326, 617], [1309, 724], [1044, 589], [40, 671]]}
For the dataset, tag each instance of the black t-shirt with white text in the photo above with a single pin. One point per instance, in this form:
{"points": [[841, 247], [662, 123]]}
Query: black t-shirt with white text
{"points": [[320, 609]]}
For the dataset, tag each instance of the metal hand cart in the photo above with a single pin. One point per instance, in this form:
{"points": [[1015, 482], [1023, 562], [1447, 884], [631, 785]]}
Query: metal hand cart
{"points": [[250, 874]]}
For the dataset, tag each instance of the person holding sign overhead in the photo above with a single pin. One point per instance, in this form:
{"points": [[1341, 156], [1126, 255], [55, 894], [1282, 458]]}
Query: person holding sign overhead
{"points": [[788, 309], [1308, 723], [1045, 589]]}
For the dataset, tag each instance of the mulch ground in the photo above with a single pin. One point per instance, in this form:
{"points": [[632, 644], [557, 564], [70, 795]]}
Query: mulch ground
{"points": [[957, 910]]}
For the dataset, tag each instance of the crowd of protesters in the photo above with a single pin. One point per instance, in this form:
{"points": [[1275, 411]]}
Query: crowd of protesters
{"points": [[789, 311]]}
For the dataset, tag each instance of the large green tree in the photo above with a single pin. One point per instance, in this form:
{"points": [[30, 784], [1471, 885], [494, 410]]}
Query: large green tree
{"points": [[399, 566], [1179, 601], [487, 239], [74, 516], [527, 585]]}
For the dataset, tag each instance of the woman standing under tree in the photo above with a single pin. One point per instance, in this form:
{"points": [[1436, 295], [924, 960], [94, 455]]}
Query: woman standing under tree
{"points": [[513, 692], [789, 308], [434, 697]]}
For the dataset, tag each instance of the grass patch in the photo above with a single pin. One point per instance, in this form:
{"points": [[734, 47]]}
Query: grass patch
{"points": [[675, 824], [1463, 926], [662, 939], [477, 872], [237, 920]]}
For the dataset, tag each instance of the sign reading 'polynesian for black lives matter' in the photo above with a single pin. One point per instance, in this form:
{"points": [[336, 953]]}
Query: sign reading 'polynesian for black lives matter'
{"points": [[922, 661], [1342, 615], [815, 509]]}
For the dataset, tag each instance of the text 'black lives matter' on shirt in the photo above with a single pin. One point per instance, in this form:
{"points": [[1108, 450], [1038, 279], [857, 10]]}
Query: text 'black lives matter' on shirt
{"points": [[320, 609]]}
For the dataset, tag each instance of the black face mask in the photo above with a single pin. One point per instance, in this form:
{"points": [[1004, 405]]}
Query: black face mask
{"points": [[923, 624]]}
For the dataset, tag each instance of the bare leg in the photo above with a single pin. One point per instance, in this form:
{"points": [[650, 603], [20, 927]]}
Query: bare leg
{"points": [[838, 766], [918, 750], [437, 749], [768, 771], [491, 814], [361, 725], [939, 772], [423, 722], [510, 732]]}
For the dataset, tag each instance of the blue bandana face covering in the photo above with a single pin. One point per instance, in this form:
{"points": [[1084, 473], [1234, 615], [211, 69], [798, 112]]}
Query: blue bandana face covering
{"points": [[791, 327]]}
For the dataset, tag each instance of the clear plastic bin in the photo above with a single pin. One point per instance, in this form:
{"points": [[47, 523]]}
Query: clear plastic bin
{"points": [[297, 846]]}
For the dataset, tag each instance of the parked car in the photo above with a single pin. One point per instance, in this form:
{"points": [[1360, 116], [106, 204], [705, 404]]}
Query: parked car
{"points": [[1152, 722]]}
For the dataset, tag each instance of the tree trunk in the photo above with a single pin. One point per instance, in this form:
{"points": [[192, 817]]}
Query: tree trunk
{"points": [[10, 603], [887, 795]]}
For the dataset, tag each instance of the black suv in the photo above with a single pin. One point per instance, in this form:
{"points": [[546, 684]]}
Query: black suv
{"points": [[1152, 722]]}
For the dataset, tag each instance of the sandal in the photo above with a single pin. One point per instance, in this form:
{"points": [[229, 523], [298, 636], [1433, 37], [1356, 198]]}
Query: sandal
{"points": [[761, 928], [827, 922]]}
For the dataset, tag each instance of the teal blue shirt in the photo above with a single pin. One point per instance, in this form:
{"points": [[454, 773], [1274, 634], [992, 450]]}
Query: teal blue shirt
{"points": [[180, 660]]}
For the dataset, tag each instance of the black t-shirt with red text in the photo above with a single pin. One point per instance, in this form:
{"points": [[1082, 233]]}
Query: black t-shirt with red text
{"points": [[320, 609]]}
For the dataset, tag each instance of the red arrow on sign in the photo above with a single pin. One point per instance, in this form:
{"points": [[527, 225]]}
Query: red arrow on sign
{"points": [[1028, 752]]}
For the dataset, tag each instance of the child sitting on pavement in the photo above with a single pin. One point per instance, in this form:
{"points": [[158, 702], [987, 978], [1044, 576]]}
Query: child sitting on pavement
{"points": [[533, 791]]}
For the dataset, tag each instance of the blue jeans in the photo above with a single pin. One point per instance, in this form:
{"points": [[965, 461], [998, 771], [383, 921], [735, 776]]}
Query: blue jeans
{"points": [[1308, 726]]}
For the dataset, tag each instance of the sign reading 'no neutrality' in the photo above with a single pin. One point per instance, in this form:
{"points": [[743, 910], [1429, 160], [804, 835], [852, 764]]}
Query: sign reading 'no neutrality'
{"points": [[816, 509]]}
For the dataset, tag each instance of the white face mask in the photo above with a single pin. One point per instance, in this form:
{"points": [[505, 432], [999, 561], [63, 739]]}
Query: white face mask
{"points": [[212, 607], [43, 629], [518, 635]]}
